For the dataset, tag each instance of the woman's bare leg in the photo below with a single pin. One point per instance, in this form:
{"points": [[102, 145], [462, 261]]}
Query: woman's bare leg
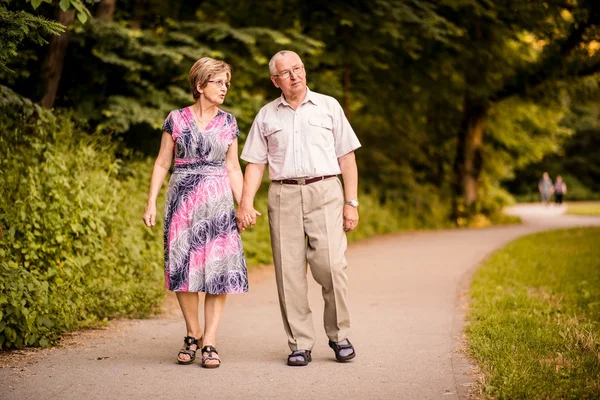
{"points": [[188, 302], [213, 309]]}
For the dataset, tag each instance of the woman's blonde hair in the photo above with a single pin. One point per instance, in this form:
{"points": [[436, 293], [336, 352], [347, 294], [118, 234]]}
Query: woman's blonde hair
{"points": [[203, 70]]}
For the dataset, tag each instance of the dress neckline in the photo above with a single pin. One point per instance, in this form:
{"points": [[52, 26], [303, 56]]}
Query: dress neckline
{"points": [[192, 116]]}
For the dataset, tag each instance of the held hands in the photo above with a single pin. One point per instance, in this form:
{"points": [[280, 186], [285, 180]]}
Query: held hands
{"points": [[149, 216], [246, 217], [350, 218]]}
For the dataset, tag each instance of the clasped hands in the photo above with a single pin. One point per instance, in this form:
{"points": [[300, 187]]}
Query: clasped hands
{"points": [[246, 217]]}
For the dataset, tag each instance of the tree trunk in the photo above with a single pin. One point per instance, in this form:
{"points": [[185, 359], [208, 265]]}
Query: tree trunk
{"points": [[138, 14], [468, 161], [347, 91], [346, 99], [106, 10], [52, 66]]}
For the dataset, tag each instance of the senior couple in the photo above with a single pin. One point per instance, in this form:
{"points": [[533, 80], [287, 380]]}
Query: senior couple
{"points": [[306, 140]]}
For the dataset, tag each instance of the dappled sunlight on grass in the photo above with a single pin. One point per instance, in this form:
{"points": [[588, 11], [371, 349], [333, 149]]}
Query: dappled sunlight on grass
{"points": [[534, 324]]}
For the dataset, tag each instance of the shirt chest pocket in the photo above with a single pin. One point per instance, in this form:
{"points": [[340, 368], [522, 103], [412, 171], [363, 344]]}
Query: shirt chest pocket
{"points": [[273, 133], [321, 131]]}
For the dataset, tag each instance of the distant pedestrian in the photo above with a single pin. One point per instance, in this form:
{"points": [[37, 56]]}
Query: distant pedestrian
{"points": [[560, 189], [545, 187]]}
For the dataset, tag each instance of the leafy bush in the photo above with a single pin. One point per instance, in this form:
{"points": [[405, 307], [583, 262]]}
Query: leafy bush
{"points": [[72, 249]]}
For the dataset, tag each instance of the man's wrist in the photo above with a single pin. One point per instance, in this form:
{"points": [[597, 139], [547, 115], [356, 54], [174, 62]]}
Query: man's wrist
{"points": [[354, 203]]}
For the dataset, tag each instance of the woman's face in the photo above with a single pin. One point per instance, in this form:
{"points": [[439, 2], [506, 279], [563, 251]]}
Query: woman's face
{"points": [[216, 88]]}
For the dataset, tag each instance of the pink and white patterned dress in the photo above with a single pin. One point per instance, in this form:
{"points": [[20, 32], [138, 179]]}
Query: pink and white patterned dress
{"points": [[203, 248]]}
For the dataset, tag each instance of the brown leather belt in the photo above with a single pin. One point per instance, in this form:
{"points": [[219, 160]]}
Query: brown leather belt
{"points": [[304, 181]]}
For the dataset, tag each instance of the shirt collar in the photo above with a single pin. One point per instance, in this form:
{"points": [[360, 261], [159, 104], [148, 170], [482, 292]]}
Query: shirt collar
{"points": [[310, 96]]}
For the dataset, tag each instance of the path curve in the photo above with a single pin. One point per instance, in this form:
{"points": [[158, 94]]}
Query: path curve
{"points": [[406, 296]]}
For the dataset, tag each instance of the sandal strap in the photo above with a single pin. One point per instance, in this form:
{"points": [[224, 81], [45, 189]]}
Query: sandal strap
{"points": [[190, 340], [300, 353], [209, 349], [190, 353], [342, 346]]}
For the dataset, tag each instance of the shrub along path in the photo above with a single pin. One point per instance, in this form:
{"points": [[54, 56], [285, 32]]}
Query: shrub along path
{"points": [[406, 297]]}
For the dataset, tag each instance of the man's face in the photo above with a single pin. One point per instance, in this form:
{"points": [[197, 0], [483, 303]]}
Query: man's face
{"points": [[291, 77]]}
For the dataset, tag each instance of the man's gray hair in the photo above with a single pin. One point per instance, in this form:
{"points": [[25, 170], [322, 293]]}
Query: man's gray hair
{"points": [[272, 68]]}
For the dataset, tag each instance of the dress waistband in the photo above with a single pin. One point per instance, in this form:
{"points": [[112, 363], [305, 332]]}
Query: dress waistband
{"points": [[199, 167]]}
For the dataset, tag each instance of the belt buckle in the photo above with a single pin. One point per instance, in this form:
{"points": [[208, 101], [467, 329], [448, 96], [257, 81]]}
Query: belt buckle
{"points": [[301, 181]]}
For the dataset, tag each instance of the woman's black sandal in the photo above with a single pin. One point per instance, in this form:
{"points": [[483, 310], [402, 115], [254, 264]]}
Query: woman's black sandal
{"points": [[304, 354], [210, 350], [338, 347], [189, 341]]}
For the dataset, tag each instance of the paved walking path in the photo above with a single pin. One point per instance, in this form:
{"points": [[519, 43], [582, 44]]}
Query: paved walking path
{"points": [[406, 293]]}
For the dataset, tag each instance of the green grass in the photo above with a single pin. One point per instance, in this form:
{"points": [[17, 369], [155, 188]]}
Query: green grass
{"points": [[584, 208], [534, 322]]}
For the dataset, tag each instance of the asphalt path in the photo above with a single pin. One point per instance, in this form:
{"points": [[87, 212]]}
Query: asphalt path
{"points": [[407, 295]]}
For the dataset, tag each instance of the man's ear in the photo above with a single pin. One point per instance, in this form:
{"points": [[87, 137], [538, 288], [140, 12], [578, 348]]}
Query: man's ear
{"points": [[274, 80]]}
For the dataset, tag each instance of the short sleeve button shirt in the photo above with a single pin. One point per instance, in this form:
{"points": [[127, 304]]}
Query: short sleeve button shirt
{"points": [[305, 142]]}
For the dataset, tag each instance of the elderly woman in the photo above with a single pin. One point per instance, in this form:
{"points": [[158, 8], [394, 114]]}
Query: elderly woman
{"points": [[203, 248]]}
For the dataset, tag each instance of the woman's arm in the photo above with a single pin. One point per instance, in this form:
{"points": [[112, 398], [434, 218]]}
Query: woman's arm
{"points": [[159, 173], [234, 171]]}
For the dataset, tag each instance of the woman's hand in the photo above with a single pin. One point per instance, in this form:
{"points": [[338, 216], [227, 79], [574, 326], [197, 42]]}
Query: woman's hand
{"points": [[246, 217], [149, 216]]}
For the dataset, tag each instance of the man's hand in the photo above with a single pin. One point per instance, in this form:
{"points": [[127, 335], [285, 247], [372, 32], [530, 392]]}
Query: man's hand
{"points": [[246, 217], [350, 218]]}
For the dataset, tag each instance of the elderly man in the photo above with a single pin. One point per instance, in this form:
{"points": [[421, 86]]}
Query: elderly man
{"points": [[307, 141]]}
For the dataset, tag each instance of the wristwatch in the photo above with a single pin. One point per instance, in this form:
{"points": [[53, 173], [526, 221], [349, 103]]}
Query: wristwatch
{"points": [[353, 203]]}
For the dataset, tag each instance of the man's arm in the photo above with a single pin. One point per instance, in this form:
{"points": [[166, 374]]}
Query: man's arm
{"points": [[246, 214], [350, 174]]}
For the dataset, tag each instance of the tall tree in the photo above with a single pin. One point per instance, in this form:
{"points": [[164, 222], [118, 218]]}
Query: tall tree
{"points": [[496, 68], [18, 26], [106, 10], [53, 63]]}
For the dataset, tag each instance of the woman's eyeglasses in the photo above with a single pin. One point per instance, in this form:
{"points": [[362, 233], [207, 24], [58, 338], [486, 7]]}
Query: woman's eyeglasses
{"points": [[220, 83]]}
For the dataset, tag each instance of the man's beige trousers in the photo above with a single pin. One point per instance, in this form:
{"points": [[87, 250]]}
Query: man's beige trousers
{"points": [[306, 224]]}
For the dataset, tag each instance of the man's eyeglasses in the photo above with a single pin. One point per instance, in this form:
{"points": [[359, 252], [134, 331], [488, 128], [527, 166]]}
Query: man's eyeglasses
{"points": [[220, 83], [287, 73]]}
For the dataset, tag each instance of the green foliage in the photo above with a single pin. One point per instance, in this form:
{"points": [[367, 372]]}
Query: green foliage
{"points": [[584, 208], [143, 74], [404, 71], [534, 322], [16, 27], [577, 158], [83, 14], [72, 252]]}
